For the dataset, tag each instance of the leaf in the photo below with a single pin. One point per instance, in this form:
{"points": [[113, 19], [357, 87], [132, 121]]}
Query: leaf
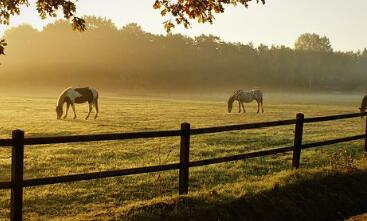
{"points": [[2, 46], [164, 12], [2, 50], [79, 24], [168, 25], [157, 4]]}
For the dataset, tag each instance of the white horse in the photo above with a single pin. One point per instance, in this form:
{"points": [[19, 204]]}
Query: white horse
{"points": [[77, 95], [247, 97]]}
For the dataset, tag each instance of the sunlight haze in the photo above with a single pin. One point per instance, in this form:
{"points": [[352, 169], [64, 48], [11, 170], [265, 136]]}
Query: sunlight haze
{"points": [[259, 116], [278, 22]]}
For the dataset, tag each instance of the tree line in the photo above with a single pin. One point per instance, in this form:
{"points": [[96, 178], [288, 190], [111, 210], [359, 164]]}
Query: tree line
{"points": [[130, 59]]}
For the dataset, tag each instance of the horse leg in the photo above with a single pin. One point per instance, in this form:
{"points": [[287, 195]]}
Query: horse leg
{"points": [[258, 106], [262, 108], [73, 107], [243, 107], [239, 106], [95, 104], [89, 110], [67, 110]]}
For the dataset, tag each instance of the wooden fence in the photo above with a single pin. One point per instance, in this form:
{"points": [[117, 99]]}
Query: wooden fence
{"points": [[18, 141]]}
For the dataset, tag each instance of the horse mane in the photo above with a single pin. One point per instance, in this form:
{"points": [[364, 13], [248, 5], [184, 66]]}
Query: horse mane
{"points": [[231, 99], [61, 96]]}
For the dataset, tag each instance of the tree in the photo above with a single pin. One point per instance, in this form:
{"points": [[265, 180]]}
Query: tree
{"points": [[184, 10], [133, 29], [313, 42], [130, 58], [97, 23], [181, 11], [313, 46]]}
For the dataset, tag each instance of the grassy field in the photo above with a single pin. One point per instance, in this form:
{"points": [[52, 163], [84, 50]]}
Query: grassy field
{"points": [[111, 198]]}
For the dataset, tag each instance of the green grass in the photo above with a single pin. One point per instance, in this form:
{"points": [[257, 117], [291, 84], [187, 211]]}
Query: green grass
{"points": [[121, 197], [296, 195]]}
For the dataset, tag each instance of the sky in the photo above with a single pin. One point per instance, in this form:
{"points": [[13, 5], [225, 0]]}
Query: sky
{"points": [[278, 22]]}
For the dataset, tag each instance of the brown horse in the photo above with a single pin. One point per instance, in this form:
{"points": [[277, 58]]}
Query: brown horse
{"points": [[363, 105], [77, 95]]}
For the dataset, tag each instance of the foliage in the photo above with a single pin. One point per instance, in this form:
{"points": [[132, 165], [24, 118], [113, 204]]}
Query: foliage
{"points": [[184, 10], [2, 45], [44, 7], [131, 59], [181, 10], [313, 42]]}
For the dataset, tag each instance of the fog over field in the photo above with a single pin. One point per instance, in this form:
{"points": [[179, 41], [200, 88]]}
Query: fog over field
{"points": [[132, 61]]}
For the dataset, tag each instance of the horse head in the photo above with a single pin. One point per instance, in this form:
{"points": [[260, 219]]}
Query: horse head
{"points": [[363, 107], [59, 111], [362, 110], [230, 103]]}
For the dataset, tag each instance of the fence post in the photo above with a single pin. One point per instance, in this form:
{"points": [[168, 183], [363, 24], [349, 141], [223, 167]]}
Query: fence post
{"points": [[183, 183], [297, 140], [17, 158]]}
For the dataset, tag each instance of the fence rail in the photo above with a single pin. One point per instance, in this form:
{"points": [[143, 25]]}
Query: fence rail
{"points": [[333, 141], [97, 175], [240, 156], [332, 117], [242, 127], [18, 141]]}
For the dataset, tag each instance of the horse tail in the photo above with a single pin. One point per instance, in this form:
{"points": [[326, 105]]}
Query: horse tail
{"points": [[261, 101], [95, 104]]}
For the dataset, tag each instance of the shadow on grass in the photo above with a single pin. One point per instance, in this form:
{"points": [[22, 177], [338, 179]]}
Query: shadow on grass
{"points": [[316, 197]]}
